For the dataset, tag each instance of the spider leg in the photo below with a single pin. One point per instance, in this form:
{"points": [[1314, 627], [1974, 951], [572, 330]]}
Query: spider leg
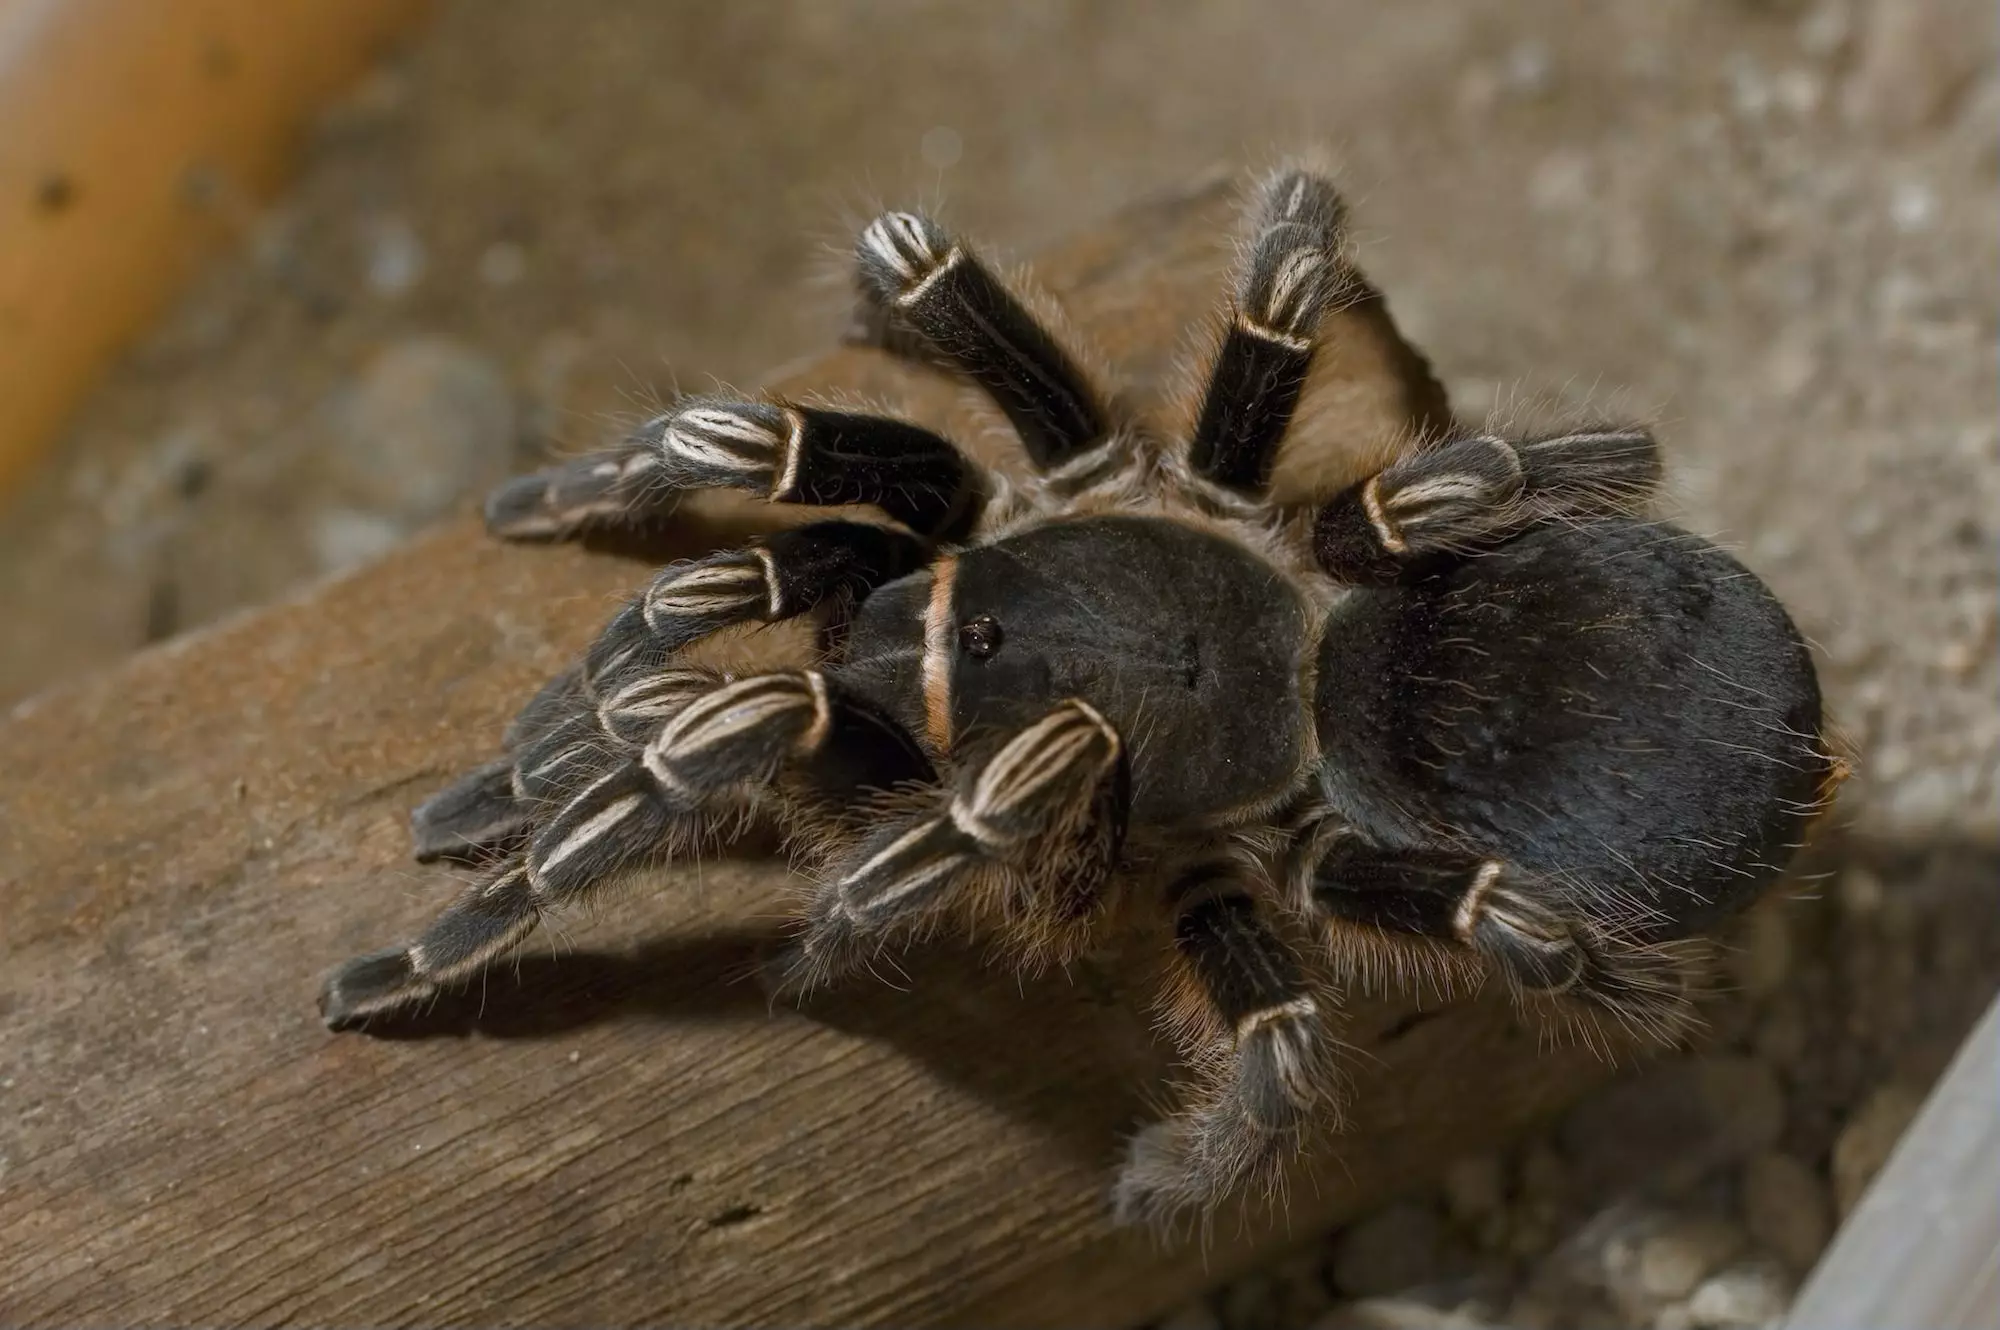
{"points": [[776, 577], [1545, 939], [930, 282], [1465, 493], [1254, 1027], [1039, 823], [1293, 274], [692, 746], [787, 453]]}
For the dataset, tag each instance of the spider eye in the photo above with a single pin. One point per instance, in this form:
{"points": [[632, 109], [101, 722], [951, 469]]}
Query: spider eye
{"points": [[980, 637]]}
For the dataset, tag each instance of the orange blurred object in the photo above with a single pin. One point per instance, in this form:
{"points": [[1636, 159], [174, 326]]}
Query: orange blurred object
{"points": [[136, 137]]}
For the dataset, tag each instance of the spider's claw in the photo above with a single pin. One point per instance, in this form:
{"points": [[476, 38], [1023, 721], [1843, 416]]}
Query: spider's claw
{"points": [[473, 817], [370, 986]]}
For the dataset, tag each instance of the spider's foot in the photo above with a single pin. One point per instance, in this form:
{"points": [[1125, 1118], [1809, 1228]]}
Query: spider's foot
{"points": [[1188, 1165], [560, 501], [369, 986], [899, 252]]}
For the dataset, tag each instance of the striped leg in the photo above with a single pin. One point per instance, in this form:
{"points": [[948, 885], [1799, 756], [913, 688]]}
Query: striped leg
{"points": [[776, 577], [929, 282], [1457, 496], [787, 453], [633, 802], [1544, 938], [1241, 1005], [1294, 274], [1035, 829]]}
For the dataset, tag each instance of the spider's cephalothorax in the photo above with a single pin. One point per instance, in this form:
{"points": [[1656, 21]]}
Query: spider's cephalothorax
{"points": [[1475, 703]]}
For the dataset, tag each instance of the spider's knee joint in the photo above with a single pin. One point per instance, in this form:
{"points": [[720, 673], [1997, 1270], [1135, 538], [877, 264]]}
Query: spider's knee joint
{"points": [[726, 442], [1538, 949]]}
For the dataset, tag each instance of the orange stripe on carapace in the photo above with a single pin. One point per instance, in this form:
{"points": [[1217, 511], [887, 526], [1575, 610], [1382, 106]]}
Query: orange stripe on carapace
{"points": [[940, 646]]}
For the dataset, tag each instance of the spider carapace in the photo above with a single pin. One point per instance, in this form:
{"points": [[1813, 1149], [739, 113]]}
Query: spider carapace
{"points": [[1477, 704]]}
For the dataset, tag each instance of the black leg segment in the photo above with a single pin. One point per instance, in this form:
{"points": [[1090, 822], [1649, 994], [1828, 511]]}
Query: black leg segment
{"points": [[1241, 1004], [788, 454], [628, 803], [1294, 274], [1544, 937], [939, 288], [1459, 496]]}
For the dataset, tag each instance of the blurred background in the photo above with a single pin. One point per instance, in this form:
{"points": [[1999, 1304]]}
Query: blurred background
{"points": [[1768, 225]]}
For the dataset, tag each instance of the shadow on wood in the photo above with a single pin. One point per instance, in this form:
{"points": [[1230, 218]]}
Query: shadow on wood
{"points": [[615, 1129]]}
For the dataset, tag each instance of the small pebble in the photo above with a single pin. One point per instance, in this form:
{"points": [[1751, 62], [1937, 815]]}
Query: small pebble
{"points": [[1673, 1316], [1745, 1103], [1752, 1294], [394, 255], [1786, 1207], [1781, 1035], [1867, 1140], [1762, 957], [1397, 1314], [1682, 1253], [1860, 892]]}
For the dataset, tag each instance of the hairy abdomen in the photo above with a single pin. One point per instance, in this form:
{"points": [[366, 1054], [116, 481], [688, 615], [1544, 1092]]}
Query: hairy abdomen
{"points": [[1621, 707]]}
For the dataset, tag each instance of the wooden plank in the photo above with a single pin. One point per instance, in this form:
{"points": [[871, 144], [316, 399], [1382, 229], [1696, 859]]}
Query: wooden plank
{"points": [[615, 1131], [136, 136]]}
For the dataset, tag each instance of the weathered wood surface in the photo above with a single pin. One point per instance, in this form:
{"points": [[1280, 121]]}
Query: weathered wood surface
{"points": [[617, 1130]]}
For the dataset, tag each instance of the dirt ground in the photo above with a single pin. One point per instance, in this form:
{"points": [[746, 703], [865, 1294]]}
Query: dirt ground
{"points": [[1765, 225]]}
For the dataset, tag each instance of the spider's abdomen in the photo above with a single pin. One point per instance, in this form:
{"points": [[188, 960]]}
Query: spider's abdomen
{"points": [[1185, 641], [1620, 707]]}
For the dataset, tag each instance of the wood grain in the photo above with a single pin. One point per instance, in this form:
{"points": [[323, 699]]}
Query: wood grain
{"points": [[615, 1130], [136, 137]]}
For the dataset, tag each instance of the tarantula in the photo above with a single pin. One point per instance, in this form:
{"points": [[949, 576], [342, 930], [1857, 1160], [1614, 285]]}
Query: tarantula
{"points": [[1475, 701]]}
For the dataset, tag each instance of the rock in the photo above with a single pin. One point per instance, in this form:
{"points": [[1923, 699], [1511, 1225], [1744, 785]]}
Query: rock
{"points": [[1475, 1189], [1400, 1247], [1754, 1293], [1744, 1102], [1673, 1316], [1867, 1140], [1675, 1259], [1762, 957], [429, 422], [1397, 1314], [1860, 892], [1781, 1035], [1786, 1206]]}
